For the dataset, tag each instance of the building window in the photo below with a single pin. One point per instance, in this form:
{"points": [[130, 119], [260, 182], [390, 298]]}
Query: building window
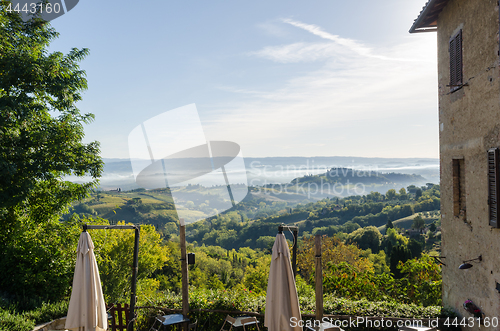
{"points": [[458, 187], [456, 79], [493, 187]]}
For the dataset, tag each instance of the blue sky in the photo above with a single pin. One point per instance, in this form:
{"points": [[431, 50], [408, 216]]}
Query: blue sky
{"points": [[280, 78]]}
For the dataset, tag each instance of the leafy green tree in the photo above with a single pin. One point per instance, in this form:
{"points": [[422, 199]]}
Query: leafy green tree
{"points": [[402, 194], [418, 223], [366, 238], [169, 275], [389, 225], [374, 196], [406, 210], [215, 283], [415, 248], [379, 262], [390, 194], [38, 261], [41, 133], [411, 189], [346, 281], [393, 238], [333, 250], [421, 282], [256, 277], [227, 238], [265, 242], [398, 254], [42, 130]]}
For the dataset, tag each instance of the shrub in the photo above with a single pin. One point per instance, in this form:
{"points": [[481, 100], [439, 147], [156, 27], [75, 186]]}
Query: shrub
{"points": [[10, 320], [244, 300]]}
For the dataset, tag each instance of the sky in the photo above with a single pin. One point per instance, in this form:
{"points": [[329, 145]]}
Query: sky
{"points": [[279, 78]]}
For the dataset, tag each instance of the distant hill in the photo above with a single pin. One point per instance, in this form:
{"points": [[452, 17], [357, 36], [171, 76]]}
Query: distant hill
{"points": [[349, 175], [268, 170], [253, 222]]}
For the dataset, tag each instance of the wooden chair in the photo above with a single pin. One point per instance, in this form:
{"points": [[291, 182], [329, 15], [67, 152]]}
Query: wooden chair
{"points": [[245, 322], [250, 320], [119, 317], [193, 326], [159, 320], [229, 320]]}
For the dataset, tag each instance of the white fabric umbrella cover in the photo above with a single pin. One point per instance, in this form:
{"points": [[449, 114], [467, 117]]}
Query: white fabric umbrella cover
{"points": [[282, 301], [87, 309]]}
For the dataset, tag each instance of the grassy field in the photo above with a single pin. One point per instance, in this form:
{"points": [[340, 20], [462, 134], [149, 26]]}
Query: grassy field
{"points": [[406, 222]]}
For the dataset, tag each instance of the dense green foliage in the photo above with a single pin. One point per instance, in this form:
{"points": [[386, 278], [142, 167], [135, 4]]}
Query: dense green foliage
{"points": [[243, 300], [253, 222], [26, 321], [420, 282], [328, 216], [225, 261], [357, 265], [41, 133]]}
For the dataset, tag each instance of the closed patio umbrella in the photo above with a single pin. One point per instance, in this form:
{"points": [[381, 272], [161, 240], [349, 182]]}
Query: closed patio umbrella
{"points": [[87, 310], [282, 301]]}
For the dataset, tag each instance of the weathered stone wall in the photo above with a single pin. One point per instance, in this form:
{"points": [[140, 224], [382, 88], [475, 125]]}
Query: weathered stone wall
{"points": [[469, 123]]}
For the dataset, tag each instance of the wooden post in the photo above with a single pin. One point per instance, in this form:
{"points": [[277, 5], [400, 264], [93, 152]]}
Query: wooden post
{"points": [[185, 278], [135, 269], [319, 278]]}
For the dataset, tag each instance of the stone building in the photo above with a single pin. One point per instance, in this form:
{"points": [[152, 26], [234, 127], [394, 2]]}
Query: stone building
{"points": [[469, 138]]}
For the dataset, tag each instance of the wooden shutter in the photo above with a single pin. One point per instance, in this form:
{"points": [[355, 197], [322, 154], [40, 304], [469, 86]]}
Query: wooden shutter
{"points": [[458, 186], [493, 186], [456, 61]]}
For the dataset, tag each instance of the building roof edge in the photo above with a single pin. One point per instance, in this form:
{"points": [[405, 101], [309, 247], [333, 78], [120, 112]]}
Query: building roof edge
{"points": [[427, 19]]}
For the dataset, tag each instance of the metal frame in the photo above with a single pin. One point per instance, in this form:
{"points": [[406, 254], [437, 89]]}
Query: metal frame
{"points": [[135, 265], [295, 231]]}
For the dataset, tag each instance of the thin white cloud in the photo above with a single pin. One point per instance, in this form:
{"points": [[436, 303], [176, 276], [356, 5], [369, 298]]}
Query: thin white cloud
{"points": [[273, 29], [340, 103], [298, 52], [338, 48], [316, 30]]}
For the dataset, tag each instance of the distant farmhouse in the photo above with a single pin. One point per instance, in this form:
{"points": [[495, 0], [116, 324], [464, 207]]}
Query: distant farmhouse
{"points": [[469, 127]]}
